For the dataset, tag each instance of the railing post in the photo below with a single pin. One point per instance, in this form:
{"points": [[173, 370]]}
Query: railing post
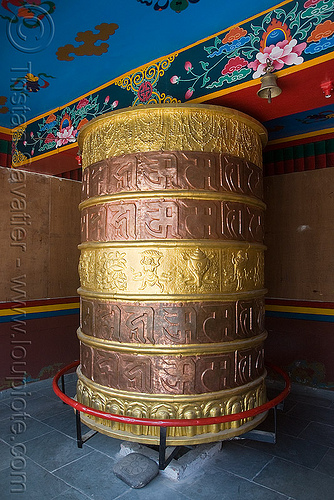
{"points": [[162, 447], [78, 425]]}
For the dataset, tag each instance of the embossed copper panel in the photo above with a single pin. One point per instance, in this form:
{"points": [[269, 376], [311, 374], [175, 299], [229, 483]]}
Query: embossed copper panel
{"points": [[161, 218], [172, 323], [162, 170], [171, 374], [171, 269]]}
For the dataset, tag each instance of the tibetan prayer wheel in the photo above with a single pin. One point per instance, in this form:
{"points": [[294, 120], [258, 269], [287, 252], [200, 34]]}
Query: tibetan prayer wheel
{"points": [[171, 270]]}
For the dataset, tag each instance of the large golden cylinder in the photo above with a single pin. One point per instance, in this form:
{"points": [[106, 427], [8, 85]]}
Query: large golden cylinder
{"points": [[171, 270]]}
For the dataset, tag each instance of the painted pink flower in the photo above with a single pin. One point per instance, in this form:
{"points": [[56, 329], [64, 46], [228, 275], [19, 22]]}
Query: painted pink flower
{"points": [[114, 104], [310, 3], [280, 54], [234, 64], [32, 152], [189, 93], [175, 79], [50, 138], [82, 103], [106, 100], [66, 135], [31, 134], [188, 66], [24, 143]]}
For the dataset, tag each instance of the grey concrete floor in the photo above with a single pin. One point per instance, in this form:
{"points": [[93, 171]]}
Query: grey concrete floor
{"points": [[38, 449]]}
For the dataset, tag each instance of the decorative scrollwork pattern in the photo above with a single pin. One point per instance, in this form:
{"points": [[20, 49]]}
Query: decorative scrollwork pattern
{"points": [[172, 127]]}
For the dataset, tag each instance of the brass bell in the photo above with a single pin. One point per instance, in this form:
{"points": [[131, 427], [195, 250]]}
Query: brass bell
{"points": [[269, 87]]}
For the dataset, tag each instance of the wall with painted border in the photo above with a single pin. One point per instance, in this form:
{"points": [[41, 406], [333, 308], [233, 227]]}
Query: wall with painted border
{"points": [[39, 307]]}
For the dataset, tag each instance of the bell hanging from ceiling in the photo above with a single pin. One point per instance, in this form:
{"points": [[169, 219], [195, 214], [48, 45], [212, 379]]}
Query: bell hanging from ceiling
{"points": [[269, 87]]}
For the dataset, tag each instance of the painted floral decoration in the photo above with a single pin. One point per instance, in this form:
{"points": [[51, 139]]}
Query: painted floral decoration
{"points": [[286, 35], [175, 79], [188, 66], [280, 54], [189, 93], [66, 135], [50, 138], [82, 103]]}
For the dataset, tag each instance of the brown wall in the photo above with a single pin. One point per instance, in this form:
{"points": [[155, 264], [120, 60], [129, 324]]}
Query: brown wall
{"points": [[299, 265], [46, 240], [300, 235], [39, 234]]}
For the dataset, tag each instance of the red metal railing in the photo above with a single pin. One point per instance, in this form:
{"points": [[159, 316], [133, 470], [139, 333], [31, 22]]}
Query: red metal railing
{"points": [[171, 422]]}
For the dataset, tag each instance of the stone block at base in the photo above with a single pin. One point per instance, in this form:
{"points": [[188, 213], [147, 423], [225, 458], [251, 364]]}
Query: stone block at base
{"points": [[190, 463], [136, 470]]}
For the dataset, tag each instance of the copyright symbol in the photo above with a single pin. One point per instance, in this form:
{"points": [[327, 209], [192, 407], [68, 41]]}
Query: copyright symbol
{"points": [[31, 34]]}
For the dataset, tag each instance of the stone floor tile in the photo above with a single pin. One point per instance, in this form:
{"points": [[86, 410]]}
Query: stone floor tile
{"points": [[326, 465], [285, 424], [22, 429], [292, 426], [40, 484], [54, 450], [43, 407], [241, 460], [312, 400], [70, 390], [296, 481], [159, 489], [220, 485], [319, 433], [71, 494], [288, 404], [106, 444], [27, 391], [294, 449], [313, 413], [5, 411], [5, 455], [93, 475], [65, 423]]}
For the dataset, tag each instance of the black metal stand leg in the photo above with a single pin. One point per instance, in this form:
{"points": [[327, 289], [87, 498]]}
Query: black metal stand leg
{"points": [[162, 448], [63, 386], [78, 425], [81, 439], [275, 423], [163, 461]]}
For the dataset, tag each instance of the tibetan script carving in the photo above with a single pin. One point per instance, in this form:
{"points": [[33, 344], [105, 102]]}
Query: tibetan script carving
{"points": [[172, 170], [173, 324]]}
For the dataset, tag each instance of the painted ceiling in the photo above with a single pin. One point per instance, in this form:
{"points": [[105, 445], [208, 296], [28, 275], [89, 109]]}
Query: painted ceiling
{"points": [[64, 63]]}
